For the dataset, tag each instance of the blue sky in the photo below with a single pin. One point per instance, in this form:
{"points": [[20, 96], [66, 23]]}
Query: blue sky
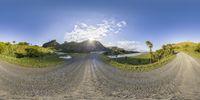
{"points": [[160, 21]]}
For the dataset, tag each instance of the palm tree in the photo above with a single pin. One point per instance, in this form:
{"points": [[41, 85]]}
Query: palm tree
{"points": [[150, 45]]}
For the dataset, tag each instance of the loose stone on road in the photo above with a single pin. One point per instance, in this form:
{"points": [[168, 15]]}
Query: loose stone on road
{"points": [[89, 78]]}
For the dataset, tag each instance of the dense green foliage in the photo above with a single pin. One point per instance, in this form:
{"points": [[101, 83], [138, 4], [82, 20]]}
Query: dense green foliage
{"points": [[27, 55], [167, 50], [23, 49]]}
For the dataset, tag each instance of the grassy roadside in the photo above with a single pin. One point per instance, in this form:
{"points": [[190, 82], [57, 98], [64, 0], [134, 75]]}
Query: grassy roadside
{"points": [[137, 68], [188, 48], [136, 60], [39, 62]]}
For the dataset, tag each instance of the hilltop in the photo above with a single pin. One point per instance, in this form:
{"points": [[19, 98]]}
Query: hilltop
{"points": [[190, 48]]}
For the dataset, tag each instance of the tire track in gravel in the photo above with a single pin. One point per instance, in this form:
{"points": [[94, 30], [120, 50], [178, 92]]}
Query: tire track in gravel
{"points": [[86, 89], [90, 78]]}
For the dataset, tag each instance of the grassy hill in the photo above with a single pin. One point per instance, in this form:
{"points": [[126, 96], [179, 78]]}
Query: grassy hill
{"points": [[28, 55], [190, 48]]}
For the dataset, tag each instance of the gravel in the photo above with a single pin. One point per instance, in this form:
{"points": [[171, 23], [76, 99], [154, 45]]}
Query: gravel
{"points": [[91, 79]]}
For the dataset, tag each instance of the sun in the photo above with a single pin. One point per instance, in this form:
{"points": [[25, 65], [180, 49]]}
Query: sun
{"points": [[91, 39]]}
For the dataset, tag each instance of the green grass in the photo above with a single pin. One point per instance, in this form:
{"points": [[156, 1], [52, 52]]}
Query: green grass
{"points": [[77, 54], [137, 60], [137, 68], [188, 48], [28, 55], [38, 62], [190, 51], [143, 56]]}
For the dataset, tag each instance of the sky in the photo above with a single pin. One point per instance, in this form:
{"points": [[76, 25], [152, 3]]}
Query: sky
{"points": [[123, 23]]}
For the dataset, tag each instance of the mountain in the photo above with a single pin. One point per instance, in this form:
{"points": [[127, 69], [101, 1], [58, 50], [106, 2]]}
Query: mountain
{"points": [[51, 44], [92, 46], [85, 46]]}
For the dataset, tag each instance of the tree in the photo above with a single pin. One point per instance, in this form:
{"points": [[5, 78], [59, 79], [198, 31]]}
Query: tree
{"points": [[13, 42], [150, 46], [23, 43]]}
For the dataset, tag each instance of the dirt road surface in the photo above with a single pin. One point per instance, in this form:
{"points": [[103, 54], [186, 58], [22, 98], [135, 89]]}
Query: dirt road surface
{"points": [[89, 78]]}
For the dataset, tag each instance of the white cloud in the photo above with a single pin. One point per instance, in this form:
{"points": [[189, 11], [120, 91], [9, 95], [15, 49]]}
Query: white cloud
{"points": [[84, 31], [128, 45]]}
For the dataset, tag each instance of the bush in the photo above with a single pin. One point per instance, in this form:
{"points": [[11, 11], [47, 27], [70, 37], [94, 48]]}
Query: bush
{"points": [[23, 43], [34, 52], [1, 49], [198, 48], [167, 50], [19, 55], [23, 50]]}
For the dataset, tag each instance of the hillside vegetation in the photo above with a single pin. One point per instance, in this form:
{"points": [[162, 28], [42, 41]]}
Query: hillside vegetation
{"points": [[144, 62], [27, 55], [153, 60], [190, 48]]}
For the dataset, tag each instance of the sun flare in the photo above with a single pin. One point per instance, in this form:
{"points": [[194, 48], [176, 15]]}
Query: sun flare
{"points": [[91, 39]]}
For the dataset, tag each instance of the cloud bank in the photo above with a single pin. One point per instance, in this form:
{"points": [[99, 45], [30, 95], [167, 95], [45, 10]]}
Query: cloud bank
{"points": [[83, 31], [128, 45]]}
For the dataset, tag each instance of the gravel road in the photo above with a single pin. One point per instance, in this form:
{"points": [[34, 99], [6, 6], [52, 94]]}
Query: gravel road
{"points": [[88, 78]]}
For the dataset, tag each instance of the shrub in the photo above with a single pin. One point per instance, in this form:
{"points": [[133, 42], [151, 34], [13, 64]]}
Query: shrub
{"points": [[1, 49], [32, 52], [19, 55], [198, 48], [23, 43]]}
